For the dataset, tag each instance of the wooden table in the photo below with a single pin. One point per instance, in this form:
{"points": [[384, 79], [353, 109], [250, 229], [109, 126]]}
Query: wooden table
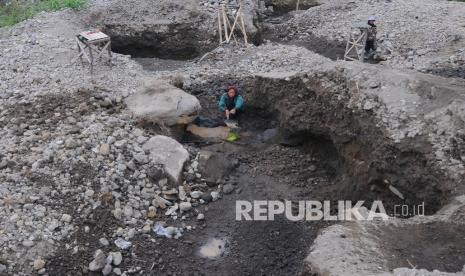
{"points": [[97, 42]]}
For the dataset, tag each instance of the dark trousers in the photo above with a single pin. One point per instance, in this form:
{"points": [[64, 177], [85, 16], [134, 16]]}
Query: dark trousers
{"points": [[370, 45]]}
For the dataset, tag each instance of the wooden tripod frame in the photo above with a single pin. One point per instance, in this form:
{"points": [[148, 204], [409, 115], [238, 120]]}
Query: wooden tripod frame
{"points": [[355, 47], [226, 29]]}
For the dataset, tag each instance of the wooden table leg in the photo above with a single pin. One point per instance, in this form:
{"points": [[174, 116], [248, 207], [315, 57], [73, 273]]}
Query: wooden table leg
{"points": [[91, 60], [109, 53]]}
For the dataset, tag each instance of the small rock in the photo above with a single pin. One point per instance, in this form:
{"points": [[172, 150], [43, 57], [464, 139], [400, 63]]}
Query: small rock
{"points": [[117, 271], [146, 228], [120, 143], [39, 263], [160, 202], [2, 268], [3, 164], [104, 242], [117, 258], [172, 210], [215, 196], [28, 243], [118, 213], [152, 213], [374, 84], [181, 193], [107, 269], [89, 192], [196, 194], [105, 103], [185, 206], [207, 197], [141, 158], [66, 218], [190, 177], [104, 149], [131, 233], [127, 211], [98, 262], [200, 216], [228, 188], [141, 139]]}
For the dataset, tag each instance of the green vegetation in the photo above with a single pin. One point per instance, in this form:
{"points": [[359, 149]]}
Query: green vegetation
{"points": [[18, 10]]}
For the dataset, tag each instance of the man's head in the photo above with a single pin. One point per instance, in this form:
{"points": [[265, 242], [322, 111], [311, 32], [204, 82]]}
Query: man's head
{"points": [[371, 20], [232, 91]]}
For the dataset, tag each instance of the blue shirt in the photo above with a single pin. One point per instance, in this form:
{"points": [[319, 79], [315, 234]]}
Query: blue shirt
{"points": [[238, 102]]}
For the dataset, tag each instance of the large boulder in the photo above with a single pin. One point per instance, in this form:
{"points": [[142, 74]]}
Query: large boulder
{"points": [[158, 101], [169, 153]]}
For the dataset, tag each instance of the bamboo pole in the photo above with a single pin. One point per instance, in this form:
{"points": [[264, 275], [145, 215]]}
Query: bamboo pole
{"points": [[225, 24], [220, 31], [243, 25], [234, 25], [231, 30], [297, 7]]}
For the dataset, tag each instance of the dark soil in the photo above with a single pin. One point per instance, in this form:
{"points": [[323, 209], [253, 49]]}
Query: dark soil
{"points": [[328, 48], [101, 224], [429, 246], [156, 64], [180, 42], [331, 49], [449, 72], [254, 248]]}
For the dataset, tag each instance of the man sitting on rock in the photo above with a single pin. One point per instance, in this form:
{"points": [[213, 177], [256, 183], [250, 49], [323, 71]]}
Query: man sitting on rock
{"points": [[370, 44], [231, 103]]}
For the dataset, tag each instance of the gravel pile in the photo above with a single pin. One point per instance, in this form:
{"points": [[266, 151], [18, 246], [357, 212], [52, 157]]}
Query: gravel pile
{"points": [[68, 148]]}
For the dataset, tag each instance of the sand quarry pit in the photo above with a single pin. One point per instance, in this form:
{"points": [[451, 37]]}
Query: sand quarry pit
{"points": [[96, 181]]}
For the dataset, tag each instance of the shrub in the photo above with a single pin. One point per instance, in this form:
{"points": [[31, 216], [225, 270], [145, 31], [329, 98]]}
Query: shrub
{"points": [[15, 11]]}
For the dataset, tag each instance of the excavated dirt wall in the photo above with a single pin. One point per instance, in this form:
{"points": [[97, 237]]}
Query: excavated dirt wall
{"points": [[367, 161], [371, 160], [175, 41]]}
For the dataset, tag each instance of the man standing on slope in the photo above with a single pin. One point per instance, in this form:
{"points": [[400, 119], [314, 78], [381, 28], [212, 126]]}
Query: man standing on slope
{"points": [[370, 44]]}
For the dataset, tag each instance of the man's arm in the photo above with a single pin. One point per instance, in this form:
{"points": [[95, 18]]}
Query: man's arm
{"points": [[239, 103], [222, 103]]}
